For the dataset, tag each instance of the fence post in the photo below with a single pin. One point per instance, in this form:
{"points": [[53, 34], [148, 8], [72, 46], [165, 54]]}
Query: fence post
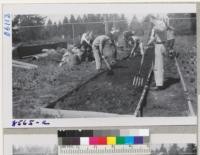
{"points": [[106, 24], [73, 33]]}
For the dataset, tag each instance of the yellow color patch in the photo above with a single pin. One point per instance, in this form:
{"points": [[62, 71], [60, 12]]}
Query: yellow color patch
{"points": [[111, 140]]}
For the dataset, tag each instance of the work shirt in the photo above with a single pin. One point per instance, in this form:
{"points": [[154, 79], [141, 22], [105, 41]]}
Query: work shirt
{"points": [[170, 34], [84, 38], [100, 40], [135, 41], [127, 35], [158, 36], [135, 38], [160, 25]]}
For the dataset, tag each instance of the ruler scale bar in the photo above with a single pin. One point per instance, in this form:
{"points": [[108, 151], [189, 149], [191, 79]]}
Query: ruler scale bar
{"points": [[66, 150]]}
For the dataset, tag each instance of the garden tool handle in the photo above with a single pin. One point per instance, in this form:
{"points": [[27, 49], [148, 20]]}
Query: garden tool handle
{"points": [[106, 62], [132, 51], [140, 70], [141, 63]]}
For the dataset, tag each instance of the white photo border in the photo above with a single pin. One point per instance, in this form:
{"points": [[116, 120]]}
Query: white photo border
{"points": [[86, 8]]}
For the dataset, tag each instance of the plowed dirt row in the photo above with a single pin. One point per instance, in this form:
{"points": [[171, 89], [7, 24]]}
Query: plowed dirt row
{"points": [[111, 93]]}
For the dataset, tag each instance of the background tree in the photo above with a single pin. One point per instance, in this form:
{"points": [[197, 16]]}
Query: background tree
{"points": [[29, 26], [49, 28], [72, 19], [174, 150], [80, 27], [191, 148], [123, 24], [54, 29], [136, 26], [147, 27], [163, 149], [60, 29], [67, 28]]}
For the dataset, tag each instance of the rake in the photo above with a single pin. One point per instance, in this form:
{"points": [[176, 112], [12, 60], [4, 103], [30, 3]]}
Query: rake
{"points": [[138, 80]]}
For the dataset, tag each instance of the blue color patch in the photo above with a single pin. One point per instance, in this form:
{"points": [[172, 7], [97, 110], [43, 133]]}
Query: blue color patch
{"points": [[138, 140], [129, 140]]}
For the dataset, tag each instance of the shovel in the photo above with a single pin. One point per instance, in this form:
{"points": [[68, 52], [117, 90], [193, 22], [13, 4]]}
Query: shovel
{"points": [[110, 71], [138, 80]]}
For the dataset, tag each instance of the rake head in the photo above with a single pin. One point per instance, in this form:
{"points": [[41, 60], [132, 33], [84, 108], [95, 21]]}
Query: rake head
{"points": [[138, 81]]}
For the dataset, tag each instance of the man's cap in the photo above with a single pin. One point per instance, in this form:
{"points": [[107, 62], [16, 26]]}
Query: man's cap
{"points": [[114, 29], [133, 32]]}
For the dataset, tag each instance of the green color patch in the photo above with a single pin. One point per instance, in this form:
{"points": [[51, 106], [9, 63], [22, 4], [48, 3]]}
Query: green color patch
{"points": [[120, 140]]}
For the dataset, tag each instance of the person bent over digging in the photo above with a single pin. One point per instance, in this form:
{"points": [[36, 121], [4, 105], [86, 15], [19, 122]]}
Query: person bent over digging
{"points": [[127, 36], [137, 46], [101, 43]]}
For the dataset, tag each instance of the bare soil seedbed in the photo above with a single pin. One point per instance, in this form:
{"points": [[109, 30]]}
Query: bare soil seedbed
{"points": [[111, 93]]}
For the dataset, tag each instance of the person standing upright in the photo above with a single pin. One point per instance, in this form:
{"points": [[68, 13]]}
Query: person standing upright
{"points": [[170, 41], [158, 38]]}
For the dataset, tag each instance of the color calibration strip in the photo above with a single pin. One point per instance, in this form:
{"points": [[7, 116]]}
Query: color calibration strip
{"points": [[103, 137], [119, 140]]}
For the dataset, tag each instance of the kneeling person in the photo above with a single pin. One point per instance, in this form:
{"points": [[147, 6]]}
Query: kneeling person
{"points": [[86, 46]]}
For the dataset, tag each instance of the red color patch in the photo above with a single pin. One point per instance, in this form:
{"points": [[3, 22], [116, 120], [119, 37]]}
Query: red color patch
{"points": [[102, 140]]}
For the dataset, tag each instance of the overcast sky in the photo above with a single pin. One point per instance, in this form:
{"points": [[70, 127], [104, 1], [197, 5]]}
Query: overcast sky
{"points": [[56, 12]]}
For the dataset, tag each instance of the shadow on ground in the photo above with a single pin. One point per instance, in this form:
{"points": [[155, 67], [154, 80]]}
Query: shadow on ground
{"points": [[170, 81]]}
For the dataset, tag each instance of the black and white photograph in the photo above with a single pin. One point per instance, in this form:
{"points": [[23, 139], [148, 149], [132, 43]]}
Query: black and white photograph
{"points": [[33, 145], [156, 149], [99, 65], [174, 149], [99, 78], [47, 144]]}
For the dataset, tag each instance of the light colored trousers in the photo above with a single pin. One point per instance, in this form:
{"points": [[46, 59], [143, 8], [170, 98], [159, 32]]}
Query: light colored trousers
{"points": [[159, 64], [97, 57]]}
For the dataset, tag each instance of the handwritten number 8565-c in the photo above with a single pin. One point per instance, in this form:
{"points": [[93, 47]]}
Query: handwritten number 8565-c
{"points": [[29, 122]]}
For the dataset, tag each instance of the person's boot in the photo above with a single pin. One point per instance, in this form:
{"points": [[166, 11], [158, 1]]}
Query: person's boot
{"points": [[99, 70]]}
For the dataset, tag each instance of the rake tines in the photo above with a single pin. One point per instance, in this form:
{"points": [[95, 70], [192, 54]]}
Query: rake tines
{"points": [[138, 81]]}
